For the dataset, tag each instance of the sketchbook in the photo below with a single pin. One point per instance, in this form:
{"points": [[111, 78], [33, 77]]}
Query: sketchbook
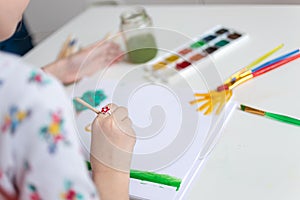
{"points": [[173, 139]]}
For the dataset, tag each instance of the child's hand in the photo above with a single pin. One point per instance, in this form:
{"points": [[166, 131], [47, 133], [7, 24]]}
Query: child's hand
{"points": [[112, 144], [85, 62], [113, 141], [97, 56]]}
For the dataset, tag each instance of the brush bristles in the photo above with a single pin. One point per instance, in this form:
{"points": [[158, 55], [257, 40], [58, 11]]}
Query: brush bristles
{"points": [[243, 107], [252, 110]]}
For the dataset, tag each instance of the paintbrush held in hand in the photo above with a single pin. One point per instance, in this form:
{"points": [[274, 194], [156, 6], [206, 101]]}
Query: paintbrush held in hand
{"points": [[69, 47]]}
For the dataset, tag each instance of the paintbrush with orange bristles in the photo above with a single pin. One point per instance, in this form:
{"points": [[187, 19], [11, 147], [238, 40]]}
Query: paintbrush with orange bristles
{"points": [[223, 93]]}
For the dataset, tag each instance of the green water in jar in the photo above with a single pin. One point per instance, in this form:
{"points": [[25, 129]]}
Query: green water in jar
{"points": [[141, 48]]}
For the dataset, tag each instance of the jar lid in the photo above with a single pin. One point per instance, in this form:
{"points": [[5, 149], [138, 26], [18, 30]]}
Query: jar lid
{"points": [[133, 15]]}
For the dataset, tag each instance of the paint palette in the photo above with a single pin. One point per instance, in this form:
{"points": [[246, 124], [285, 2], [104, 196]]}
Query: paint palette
{"points": [[181, 60]]}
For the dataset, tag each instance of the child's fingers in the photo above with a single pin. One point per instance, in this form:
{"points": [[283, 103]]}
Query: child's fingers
{"points": [[114, 116], [126, 127], [121, 120], [112, 107], [104, 119], [102, 115], [127, 121], [120, 116], [120, 113]]}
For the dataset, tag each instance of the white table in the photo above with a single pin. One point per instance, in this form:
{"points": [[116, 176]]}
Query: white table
{"points": [[256, 158]]}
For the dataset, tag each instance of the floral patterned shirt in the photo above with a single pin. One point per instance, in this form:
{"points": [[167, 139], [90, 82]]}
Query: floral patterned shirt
{"points": [[40, 155]]}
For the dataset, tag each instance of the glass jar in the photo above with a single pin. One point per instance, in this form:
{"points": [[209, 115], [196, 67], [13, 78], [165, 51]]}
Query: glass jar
{"points": [[138, 35]]}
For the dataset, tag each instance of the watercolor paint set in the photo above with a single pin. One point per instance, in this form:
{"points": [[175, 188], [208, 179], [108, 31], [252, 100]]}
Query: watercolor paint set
{"points": [[184, 58]]}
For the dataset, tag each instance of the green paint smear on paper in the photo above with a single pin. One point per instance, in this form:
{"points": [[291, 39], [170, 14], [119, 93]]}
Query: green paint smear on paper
{"points": [[94, 98], [163, 179]]}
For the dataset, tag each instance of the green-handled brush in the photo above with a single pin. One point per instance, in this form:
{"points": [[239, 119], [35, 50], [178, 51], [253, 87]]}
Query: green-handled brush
{"points": [[278, 117]]}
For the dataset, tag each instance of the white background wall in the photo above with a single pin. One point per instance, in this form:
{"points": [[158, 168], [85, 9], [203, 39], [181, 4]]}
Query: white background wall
{"points": [[46, 16]]}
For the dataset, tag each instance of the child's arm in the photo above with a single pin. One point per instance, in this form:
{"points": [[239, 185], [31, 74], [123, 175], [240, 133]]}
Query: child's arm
{"points": [[113, 141], [112, 184]]}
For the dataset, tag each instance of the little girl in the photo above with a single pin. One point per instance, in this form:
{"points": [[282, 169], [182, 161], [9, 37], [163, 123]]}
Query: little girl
{"points": [[40, 156]]}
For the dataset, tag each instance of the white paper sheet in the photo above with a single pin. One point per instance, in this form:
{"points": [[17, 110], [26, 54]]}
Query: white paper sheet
{"points": [[172, 138]]}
